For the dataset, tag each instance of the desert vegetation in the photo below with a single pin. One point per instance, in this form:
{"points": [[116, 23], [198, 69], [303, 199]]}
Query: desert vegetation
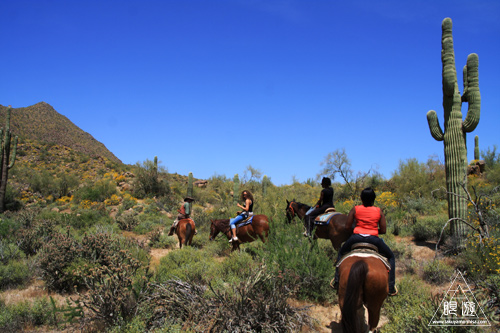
{"points": [[85, 233]]}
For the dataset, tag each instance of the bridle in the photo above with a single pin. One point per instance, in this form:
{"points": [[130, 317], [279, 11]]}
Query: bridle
{"points": [[292, 211]]}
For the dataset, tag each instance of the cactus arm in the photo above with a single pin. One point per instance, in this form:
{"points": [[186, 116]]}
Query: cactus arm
{"points": [[436, 131], [13, 156], [471, 93], [448, 59]]}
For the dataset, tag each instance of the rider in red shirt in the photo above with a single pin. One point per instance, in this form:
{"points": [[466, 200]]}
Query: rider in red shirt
{"points": [[370, 222]]}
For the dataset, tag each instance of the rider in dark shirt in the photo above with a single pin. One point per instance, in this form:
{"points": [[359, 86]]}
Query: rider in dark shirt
{"points": [[325, 201]]}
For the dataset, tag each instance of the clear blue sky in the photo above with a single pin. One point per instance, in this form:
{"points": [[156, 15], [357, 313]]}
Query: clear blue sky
{"points": [[211, 87]]}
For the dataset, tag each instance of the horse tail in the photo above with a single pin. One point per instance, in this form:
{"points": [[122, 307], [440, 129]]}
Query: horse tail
{"points": [[188, 233], [355, 284]]}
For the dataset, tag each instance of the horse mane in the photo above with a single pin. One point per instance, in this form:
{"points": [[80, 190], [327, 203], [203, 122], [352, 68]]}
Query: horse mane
{"points": [[300, 204]]}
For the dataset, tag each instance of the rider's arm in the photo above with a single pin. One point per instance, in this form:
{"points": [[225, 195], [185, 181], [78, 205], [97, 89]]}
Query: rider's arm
{"points": [[350, 219], [382, 224], [247, 205], [320, 200]]}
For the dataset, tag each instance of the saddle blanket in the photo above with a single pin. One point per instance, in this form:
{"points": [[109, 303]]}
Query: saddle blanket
{"points": [[245, 222], [324, 219], [365, 253]]}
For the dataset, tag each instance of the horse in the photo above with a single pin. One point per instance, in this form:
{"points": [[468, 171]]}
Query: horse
{"points": [[363, 281], [335, 231], [246, 234], [185, 231]]}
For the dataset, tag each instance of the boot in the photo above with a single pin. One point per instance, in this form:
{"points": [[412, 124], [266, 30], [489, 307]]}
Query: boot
{"points": [[172, 230]]}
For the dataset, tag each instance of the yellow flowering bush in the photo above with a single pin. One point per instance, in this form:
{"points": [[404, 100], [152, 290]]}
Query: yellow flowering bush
{"points": [[114, 200], [387, 200], [64, 200]]}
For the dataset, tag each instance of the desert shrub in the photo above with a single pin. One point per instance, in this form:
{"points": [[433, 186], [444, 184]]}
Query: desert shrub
{"points": [[428, 227], [236, 267], [288, 251], [481, 258], [85, 218], [187, 264], [437, 271], [14, 273], [31, 239], [128, 201], [97, 192], [114, 284], [127, 220], [16, 317], [412, 309], [55, 257], [257, 304], [9, 251], [147, 180]]}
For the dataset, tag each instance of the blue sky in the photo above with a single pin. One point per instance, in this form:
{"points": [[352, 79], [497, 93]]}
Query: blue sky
{"points": [[211, 87]]}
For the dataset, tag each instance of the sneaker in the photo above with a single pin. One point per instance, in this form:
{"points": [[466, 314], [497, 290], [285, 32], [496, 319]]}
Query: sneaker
{"points": [[394, 292], [234, 239]]}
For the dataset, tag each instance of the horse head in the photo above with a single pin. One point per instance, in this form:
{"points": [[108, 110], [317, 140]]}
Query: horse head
{"points": [[214, 231], [290, 210]]}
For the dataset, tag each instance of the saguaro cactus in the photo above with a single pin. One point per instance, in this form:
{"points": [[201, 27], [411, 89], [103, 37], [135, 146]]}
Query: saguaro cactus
{"points": [[6, 159], [190, 187], [265, 185], [455, 129], [476, 148], [236, 188]]}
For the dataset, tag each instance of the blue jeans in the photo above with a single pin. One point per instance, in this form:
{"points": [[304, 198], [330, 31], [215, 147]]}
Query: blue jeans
{"points": [[383, 249], [239, 218]]}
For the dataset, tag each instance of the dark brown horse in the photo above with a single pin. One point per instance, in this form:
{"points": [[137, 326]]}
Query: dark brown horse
{"points": [[335, 231], [185, 231], [246, 234], [363, 281]]}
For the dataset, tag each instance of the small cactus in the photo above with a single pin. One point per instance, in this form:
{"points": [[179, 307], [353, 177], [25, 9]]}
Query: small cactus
{"points": [[7, 159]]}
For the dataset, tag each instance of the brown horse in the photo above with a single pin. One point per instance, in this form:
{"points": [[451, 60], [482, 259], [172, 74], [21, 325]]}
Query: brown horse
{"points": [[185, 231], [335, 231], [363, 281], [246, 234]]}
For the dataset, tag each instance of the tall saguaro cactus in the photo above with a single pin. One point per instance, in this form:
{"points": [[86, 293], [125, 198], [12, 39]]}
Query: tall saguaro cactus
{"points": [[236, 188], [455, 128], [6, 159], [190, 187], [476, 148]]}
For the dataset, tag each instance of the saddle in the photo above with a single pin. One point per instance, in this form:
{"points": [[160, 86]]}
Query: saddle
{"points": [[246, 221], [325, 218], [364, 250]]}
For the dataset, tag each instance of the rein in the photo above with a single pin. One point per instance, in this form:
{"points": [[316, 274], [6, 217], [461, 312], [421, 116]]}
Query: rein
{"points": [[291, 209]]}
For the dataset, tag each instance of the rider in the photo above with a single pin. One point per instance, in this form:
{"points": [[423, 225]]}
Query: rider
{"points": [[247, 198], [325, 201], [184, 213], [370, 222]]}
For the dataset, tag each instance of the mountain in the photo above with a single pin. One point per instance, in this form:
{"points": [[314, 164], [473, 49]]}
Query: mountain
{"points": [[40, 122]]}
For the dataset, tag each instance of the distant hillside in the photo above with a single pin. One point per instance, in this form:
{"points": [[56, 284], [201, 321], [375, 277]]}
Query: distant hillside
{"points": [[40, 122]]}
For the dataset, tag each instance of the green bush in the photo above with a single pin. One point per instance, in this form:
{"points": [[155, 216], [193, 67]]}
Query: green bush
{"points": [[14, 318], [302, 262], [97, 192], [429, 227], [14, 273], [187, 264], [437, 272]]}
